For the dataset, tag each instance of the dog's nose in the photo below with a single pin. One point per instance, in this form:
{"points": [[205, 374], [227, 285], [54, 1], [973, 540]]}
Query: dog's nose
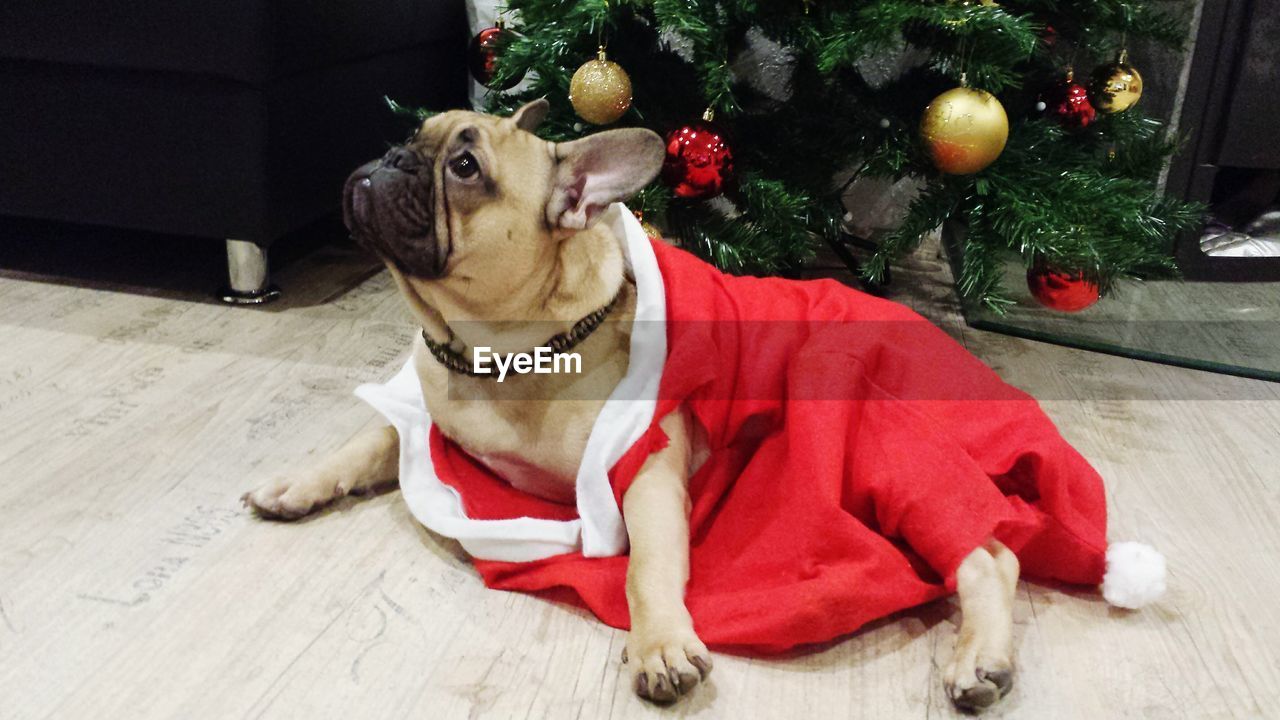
{"points": [[387, 205], [402, 158], [355, 195]]}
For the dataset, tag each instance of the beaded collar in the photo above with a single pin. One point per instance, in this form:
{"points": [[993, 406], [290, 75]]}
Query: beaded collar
{"points": [[457, 362]]}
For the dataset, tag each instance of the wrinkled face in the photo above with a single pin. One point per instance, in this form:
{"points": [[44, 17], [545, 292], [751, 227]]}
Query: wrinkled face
{"points": [[480, 204], [467, 191]]}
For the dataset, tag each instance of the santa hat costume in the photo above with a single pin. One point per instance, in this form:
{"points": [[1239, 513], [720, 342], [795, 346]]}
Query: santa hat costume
{"points": [[857, 456]]}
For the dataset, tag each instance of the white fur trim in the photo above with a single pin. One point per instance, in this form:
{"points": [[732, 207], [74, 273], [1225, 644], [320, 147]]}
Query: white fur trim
{"points": [[626, 415], [628, 412], [1135, 575]]}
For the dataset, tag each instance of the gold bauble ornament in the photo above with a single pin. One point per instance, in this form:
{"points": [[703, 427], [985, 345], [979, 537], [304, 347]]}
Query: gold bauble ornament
{"points": [[1115, 87], [965, 130], [600, 90], [650, 230]]}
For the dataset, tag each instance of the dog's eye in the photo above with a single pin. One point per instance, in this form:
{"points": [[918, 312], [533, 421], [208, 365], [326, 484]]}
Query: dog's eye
{"points": [[464, 166]]}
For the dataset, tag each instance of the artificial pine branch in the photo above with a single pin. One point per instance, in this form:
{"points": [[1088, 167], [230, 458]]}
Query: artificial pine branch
{"points": [[1085, 201]]}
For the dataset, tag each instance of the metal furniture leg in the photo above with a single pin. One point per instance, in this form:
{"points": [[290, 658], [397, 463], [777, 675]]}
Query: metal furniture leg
{"points": [[249, 279]]}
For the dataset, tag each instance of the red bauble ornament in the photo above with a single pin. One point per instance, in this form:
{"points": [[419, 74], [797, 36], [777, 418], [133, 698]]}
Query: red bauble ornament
{"points": [[699, 161], [1068, 102], [1049, 36], [482, 55], [1065, 292]]}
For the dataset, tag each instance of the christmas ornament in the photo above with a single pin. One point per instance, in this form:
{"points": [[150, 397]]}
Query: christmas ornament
{"points": [[600, 90], [1116, 87], [965, 130], [699, 161], [1049, 36], [650, 230], [482, 56], [1068, 103], [1064, 292]]}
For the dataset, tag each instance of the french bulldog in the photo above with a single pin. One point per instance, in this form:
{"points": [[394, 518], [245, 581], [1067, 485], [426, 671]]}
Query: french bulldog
{"points": [[491, 236]]}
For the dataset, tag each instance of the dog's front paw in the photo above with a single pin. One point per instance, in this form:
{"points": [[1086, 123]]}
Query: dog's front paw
{"points": [[667, 663], [289, 498], [975, 681]]}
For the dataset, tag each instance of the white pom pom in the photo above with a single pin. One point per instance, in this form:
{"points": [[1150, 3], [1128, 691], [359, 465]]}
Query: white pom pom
{"points": [[1135, 575]]}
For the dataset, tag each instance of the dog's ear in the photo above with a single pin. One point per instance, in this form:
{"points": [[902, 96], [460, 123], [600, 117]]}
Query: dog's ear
{"points": [[531, 114], [601, 169]]}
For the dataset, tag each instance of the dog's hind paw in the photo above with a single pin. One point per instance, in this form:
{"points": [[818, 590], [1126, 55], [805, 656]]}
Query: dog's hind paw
{"points": [[981, 687], [668, 665]]}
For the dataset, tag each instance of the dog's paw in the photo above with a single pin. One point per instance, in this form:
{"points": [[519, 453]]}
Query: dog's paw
{"points": [[666, 664], [975, 682], [289, 498]]}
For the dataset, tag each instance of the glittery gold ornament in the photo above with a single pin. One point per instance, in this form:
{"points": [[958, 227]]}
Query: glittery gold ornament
{"points": [[965, 130], [600, 90], [650, 230], [1116, 87]]}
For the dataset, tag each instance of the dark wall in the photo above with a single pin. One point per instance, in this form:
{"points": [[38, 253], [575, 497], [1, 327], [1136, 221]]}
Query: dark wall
{"points": [[1164, 69]]}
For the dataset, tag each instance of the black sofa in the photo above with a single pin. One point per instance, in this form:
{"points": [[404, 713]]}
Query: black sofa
{"points": [[234, 119]]}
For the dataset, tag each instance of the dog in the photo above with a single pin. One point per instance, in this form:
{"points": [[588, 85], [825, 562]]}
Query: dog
{"points": [[494, 239]]}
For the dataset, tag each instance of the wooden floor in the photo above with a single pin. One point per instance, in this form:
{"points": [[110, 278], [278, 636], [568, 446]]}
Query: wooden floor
{"points": [[132, 584]]}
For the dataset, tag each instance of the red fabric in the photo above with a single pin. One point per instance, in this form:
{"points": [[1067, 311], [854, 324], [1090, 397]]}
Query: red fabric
{"points": [[858, 454], [484, 495]]}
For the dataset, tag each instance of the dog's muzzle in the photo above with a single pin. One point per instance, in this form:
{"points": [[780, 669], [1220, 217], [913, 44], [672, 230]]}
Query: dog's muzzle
{"points": [[388, 205]]}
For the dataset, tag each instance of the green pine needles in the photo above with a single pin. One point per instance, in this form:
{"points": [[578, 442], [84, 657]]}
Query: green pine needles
{"points": [[1081, 201]]}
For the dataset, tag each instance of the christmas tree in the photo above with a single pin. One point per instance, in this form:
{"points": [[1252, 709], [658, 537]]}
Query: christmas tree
{"points": [[1072, 188]]}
